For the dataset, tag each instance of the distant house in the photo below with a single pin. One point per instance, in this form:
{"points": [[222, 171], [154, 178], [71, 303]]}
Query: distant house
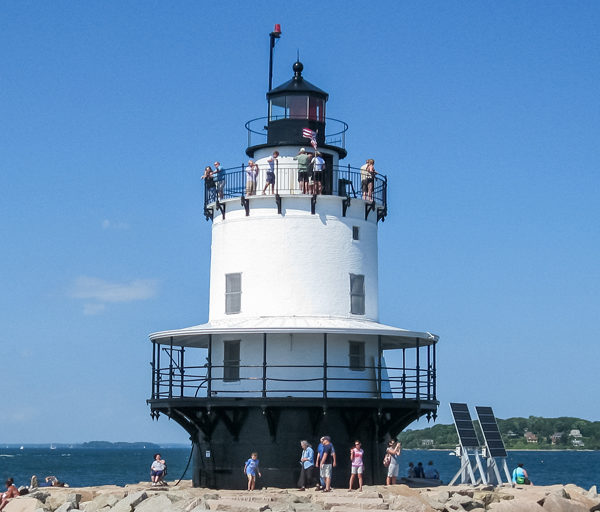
{"points": [[575, 433], [510, 433], [578, 443], [555, 438], [531, 437], [426, 442]]}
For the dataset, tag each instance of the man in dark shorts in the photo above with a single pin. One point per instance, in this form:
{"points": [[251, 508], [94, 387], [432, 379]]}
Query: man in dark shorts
{"points": [[318, 168], [303, 160], [327, 463]]}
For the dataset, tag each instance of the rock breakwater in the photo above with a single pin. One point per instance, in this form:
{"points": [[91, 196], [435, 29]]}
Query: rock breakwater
{"points": [[184, 498]]}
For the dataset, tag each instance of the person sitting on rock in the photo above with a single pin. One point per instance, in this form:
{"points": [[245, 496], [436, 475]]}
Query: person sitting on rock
{"points": [[419, 473], [520, 476], [49, 481], [158, 470], [431, 472], [11, 492]]}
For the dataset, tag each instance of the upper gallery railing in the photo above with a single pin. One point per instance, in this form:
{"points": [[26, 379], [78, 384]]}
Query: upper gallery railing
{"points": [[335, 130], [341, 181]]}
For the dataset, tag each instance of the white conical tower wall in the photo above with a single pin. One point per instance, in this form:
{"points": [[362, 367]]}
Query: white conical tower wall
{"points": [[294, 263]]}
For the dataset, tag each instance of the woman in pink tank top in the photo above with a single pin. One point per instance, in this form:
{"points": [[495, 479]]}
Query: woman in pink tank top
{"points": [[356, 458]]}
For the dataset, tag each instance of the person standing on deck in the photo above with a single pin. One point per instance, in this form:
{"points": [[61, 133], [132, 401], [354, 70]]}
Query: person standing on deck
{"points": [[318, 168], [270, 179], [251, 174], [303, 160], [219, 179]]}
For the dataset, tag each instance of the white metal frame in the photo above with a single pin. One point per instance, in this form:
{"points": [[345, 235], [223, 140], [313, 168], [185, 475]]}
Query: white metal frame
{"points": [[468, 470]]}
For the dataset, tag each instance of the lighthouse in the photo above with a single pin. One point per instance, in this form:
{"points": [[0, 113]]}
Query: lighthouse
{"points": [[293, 348]]}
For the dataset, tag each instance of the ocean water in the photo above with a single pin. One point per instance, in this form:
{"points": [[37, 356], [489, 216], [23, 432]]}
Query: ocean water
{"points": [[85, 467]]}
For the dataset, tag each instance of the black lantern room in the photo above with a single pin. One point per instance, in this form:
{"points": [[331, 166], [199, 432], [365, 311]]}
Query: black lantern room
{"points": [[293, 106]]}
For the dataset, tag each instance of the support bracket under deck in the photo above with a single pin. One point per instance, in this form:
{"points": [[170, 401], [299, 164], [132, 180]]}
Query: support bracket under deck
{"points": [[246, 204]]}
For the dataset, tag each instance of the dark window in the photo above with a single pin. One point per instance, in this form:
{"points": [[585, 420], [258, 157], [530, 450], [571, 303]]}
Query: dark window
{"points": [[354, 232], [298, 107], [357, 294], [231, 361], [233, 293], [356, 355]]}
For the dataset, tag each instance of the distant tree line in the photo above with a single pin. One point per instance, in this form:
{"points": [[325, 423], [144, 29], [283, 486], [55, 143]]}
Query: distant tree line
{"points": [[121, 445], [542, 434]]}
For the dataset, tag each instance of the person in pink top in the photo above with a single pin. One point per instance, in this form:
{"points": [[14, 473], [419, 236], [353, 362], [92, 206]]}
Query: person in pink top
{"points": [[356, 458]]}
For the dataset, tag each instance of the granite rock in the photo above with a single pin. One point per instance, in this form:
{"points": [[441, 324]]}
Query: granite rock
{"points": [[89, 506], [555, 503], [24, 504], [410, 504], [39, 495], [129, 502], [230, 505], [65, 507], [105, 500], [157, 503], [515, 506]]}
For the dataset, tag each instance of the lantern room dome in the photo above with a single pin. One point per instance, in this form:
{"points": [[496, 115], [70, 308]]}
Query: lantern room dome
{"points": [[298, 85]]}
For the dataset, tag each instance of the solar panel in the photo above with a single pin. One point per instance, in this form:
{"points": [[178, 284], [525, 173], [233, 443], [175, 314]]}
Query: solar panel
{"points": [[464, 425], [491, 434]]}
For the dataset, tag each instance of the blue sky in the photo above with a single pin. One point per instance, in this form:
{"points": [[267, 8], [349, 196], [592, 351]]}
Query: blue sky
{"points": [[484, 115]]}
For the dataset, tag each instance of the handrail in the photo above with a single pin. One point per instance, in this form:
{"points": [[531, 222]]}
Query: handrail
{"points": [[259, 126], [344, 181], [192, 381]]}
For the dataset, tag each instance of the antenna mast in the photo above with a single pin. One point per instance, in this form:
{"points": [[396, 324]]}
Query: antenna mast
{"points": [[276, 34]]}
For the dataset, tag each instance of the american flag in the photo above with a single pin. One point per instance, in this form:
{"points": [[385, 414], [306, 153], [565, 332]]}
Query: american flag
{"points": [[307, 133]]}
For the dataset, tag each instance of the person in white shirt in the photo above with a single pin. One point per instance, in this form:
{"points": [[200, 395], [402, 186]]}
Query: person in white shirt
{"points": [[251, 174], [157, 469], [318, 168]]}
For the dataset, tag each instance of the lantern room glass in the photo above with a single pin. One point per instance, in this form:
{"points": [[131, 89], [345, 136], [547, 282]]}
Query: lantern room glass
{"points": [[297, 107], [316, 109]]}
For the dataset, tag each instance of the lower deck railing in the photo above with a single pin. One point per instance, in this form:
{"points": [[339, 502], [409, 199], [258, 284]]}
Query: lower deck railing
{"points": [[173, 378]]}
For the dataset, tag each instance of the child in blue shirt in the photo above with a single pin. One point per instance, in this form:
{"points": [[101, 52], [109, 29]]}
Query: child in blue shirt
{"points": [[251, 469]]}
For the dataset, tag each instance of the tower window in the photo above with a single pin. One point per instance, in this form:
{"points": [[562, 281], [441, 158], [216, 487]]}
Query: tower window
{"points": [[231, 361], [355, 232], [357, 294], [356, 355], [233, 293]]}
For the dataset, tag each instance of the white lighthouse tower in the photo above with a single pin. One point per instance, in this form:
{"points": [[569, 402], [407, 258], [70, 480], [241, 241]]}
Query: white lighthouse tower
{"points": [[293, 348]]}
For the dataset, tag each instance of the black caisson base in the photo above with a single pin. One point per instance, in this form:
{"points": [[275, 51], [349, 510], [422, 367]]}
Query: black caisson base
{"points": [[224, 433]]}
